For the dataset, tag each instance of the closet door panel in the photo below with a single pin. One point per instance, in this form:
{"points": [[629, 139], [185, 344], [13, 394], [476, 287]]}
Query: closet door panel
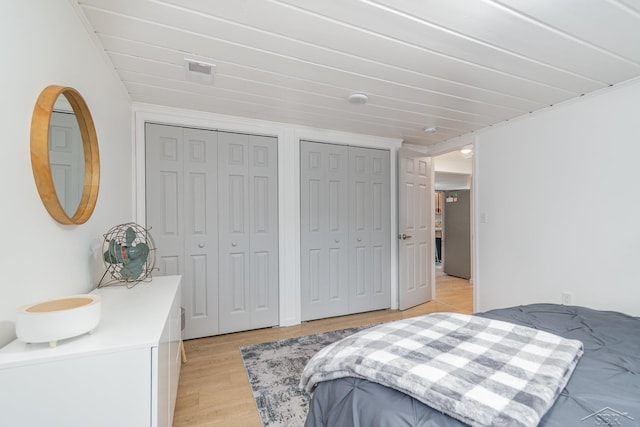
{"points": [[201, 232], [378, 282], [370, 254], [324, 229], [370, 244], [360, 262], [380, 231], [167, 228], [248, 225], [345, 230], [164, 196], [263, 206], [181, 175], [233, 242], [212, 203]]}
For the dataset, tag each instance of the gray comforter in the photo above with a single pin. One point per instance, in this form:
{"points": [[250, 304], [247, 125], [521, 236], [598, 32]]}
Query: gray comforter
{"points": [[604, 388], [484, 372]]}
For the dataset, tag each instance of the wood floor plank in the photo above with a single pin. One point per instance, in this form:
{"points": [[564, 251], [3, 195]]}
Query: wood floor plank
{"points": [[214, 389]]}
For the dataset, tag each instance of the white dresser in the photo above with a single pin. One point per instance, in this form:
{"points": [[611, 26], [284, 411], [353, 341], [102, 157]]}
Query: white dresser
{"points": [[124, 374]]}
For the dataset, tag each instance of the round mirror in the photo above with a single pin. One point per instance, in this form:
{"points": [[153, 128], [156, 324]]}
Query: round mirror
{"points": [[64, 154]]}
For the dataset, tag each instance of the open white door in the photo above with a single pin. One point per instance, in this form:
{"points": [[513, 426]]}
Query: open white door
{"points": [[416, 236]]}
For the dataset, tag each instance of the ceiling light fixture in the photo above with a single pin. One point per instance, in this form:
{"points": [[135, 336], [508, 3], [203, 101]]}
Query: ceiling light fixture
{"points": [[358, 98], [430, 129], [466, 151]]}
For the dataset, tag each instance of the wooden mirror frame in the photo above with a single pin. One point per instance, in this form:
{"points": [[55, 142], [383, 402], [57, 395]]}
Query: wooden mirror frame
{"points": [[40, 154]]}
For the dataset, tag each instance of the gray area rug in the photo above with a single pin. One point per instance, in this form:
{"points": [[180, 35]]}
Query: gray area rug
{"points": [[274, 370]]}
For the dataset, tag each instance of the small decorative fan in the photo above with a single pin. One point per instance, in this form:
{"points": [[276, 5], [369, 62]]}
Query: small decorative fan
{"points": [[128, 254]]}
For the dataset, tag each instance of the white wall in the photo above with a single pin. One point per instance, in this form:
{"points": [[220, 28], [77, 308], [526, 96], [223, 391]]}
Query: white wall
{"points": [[559, 192], [453, 163], [44, 42]]}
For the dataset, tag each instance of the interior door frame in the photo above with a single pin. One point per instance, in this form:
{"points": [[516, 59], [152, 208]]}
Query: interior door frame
{"points": [[446, 147]]}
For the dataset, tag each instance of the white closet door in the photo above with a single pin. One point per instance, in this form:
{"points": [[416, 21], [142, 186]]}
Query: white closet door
{"points": [[263, 226], [369, 230], [380, 232], [200, 277], [165, 196], [324, 233], [181, 175], [248, 231]]}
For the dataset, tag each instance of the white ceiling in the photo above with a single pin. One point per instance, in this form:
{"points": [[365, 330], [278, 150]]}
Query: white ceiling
{"points": [[457, 65]]}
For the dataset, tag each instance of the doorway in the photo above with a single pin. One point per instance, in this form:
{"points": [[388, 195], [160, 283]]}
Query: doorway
{"points": [[453, 177]]}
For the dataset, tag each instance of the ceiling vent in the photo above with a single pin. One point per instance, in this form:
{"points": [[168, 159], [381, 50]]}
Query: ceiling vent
{"points": [[199, 72]]}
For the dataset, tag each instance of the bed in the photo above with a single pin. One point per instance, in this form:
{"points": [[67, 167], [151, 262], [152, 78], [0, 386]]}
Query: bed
{"points": [[602, 389]]}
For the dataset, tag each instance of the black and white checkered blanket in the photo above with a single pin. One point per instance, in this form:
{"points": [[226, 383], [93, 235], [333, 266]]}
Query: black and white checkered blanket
{"points": [[480, 371]]}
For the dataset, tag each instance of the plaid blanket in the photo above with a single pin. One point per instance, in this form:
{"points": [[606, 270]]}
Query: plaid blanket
{"points": [[480, 371]]}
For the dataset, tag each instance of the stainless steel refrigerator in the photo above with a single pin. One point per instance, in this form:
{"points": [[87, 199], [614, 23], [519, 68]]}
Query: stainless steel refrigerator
{"points": [[456, 237]]}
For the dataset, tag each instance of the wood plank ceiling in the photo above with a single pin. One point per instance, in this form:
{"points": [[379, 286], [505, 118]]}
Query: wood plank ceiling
{"points": [[456, 65]]}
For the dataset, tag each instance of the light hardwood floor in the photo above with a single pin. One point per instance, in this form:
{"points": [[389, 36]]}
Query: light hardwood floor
{"points": [[214, 389]]}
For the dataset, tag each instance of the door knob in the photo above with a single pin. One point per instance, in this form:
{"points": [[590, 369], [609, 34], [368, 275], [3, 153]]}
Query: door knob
{"points": [[201, 245], [405, 236], [337, 240], [359, 239], [234, 244]]}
